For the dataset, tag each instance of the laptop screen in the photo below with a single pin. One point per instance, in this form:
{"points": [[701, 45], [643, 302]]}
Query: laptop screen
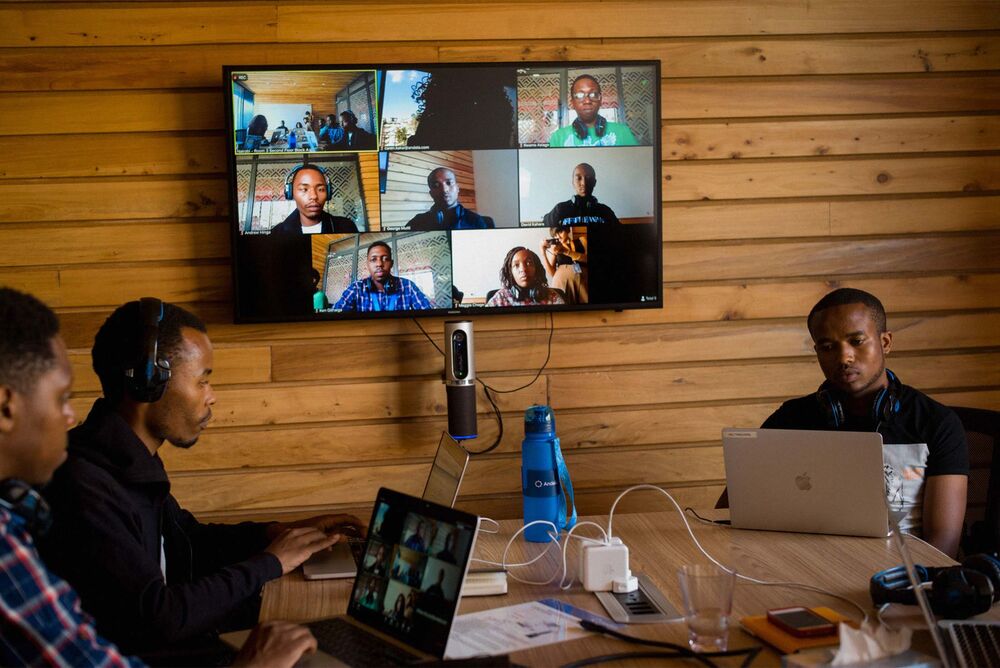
{"points": [[411, 575], [446, 472]]}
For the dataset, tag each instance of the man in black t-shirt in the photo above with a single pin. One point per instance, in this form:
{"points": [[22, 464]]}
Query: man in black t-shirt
{"points": [[925, 453], [583, 208]]}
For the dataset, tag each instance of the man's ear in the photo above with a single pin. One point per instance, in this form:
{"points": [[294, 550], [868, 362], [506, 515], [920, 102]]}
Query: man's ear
{"points": [[886, 338], [9, 408]]}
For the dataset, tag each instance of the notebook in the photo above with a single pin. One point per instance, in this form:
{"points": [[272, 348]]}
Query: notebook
{"points": [[807, 481], [443, 481]]}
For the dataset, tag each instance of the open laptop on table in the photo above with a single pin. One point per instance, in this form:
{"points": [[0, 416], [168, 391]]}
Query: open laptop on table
{"points": [[808, 481], [406, 594], [443, 481]]}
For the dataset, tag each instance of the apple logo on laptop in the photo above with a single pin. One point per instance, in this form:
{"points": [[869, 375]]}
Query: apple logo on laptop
{"points": [[803, 483]]}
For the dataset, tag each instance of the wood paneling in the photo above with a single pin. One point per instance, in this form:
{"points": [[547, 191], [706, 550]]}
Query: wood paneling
{"points": [[807, 145]]}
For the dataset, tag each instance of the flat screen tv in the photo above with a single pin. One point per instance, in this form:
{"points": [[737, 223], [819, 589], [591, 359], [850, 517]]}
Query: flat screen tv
{"points": [[431, 189]]}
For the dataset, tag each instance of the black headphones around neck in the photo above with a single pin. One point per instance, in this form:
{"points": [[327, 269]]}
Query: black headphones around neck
{"points": [[600, 127], [524, 294], [886, 403], [21, 499], [147, 378], [956, 592]]}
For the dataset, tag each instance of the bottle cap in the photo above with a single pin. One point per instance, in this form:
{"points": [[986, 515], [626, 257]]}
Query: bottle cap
{"points": [[539, 420]]}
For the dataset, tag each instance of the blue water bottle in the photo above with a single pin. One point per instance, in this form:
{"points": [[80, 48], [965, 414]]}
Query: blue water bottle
{"points": [[544, 476], [291, 139]]}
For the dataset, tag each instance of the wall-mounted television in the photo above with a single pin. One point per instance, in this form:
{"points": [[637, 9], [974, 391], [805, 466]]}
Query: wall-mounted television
{"points": [[429, 189]]}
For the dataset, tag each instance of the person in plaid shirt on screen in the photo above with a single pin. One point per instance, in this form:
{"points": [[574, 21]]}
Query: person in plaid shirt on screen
{"points": [[381, 291], [41, 620]]}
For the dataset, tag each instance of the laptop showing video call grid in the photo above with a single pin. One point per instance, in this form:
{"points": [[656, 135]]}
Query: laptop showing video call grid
{"points": [[410, 580]]}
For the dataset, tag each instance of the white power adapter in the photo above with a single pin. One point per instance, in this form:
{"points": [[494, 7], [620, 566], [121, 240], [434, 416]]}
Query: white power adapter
{"points": [[604, 567]]}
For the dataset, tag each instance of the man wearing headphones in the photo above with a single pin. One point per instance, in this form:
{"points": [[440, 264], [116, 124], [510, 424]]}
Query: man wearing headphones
{"points": [[447, 213], [354, 138], [381, 291], [157, 580], [925, 454], [590, 128], [41, 620], [582, 208], [309, 186]]}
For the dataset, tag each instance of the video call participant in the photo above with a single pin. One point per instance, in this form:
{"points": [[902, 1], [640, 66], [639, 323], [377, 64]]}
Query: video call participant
{"points": [[523, 282], [309, 186], [381, 291], [565, 260], [330, 132], [590, 128], [41, 620], [159, 582], [583, 208], [924, 443], [255, 133], [447, 213], [354, 138]]}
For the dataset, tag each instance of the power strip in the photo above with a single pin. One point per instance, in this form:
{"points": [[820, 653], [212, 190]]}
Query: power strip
{"points": [[485, 583]]}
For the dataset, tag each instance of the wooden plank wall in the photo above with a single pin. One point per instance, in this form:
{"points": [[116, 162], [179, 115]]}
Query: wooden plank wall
{"points": [[807, 144]]}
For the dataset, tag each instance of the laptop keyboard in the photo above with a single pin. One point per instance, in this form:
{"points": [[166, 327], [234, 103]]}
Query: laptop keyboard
{"points": [[975, 643], [355, 646]]}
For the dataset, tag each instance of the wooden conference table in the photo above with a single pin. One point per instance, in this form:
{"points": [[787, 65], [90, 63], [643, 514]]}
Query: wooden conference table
{"points": [[658, 545]]}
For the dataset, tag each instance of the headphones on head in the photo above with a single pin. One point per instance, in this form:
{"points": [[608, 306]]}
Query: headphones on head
{"points": [[957, 592], [147, 378], [297, 168], [885, 407], [21, 499], [600, 127]]}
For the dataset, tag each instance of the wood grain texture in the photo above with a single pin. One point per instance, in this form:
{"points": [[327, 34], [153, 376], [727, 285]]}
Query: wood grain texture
{"points": [[808, 146]]}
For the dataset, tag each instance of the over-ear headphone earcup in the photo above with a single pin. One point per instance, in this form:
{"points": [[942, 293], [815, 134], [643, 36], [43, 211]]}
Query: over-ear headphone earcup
{"points": [[833, 411], [959, 593], [988, 566], [600, 126], [580, 129]]}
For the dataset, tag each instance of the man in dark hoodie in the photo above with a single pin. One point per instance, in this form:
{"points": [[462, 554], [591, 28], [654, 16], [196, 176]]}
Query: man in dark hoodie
{"points": [[158, 582]]}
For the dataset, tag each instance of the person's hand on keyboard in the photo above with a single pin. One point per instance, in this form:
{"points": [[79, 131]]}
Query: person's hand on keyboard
{"points": [[276, 645]]}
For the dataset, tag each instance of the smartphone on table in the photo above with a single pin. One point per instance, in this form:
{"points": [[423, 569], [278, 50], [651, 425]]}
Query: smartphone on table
{"points": [[801, 622]]}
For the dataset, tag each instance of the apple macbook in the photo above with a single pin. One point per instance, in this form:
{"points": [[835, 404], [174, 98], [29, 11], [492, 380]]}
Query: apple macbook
{"points": [[829, 482], [443, 482], [405, 597]]}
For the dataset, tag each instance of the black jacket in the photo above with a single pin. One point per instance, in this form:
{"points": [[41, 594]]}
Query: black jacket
{"points": [[110, 501], [455, 218], [331, 224]]}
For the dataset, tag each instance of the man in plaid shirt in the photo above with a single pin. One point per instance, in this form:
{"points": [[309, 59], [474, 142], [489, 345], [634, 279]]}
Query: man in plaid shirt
{"points": [[381, 291], [41, 621]]}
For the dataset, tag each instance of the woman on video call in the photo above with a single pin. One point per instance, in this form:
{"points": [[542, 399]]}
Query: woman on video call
{"points": [[523, 281], [565, 261]]}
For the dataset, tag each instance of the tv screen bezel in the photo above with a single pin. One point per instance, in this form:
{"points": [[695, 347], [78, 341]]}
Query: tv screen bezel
{"points": [[233, 223]]}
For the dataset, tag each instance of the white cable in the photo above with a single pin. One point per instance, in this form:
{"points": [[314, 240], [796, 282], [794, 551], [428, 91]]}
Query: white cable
{"points": [[496, 526], [767, 583], [565, 568]]}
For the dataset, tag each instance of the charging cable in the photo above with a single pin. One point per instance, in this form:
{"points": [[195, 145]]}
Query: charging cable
{"points": [[767, 583]]}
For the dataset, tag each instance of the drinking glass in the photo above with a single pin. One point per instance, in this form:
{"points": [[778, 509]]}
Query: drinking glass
{"points": [[708, 601]]}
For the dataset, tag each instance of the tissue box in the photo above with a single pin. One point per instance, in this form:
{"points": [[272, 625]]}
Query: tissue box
{"points": [[823, 656]]}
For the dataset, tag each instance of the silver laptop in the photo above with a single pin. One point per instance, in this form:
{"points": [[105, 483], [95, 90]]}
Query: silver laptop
{"points": [[407, 591], [443, 482], [808, 481]]}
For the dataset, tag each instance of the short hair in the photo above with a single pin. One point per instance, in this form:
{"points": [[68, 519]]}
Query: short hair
{"points": [[842, 296], [585, 76], [307, 166], [587, 169], [119, 341], [435, 171], [27, 327], [379, 243], [507, 276]]}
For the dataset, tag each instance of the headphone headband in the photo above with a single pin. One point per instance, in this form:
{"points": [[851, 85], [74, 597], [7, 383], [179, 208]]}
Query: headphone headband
{"points": [[298, 168], [146, 380]]}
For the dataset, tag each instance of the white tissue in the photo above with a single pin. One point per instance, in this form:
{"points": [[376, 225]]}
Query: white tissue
{"points": [[870, 643]]}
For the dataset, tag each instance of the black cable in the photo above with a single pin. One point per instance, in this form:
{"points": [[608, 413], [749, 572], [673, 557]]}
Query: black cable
{"points": [[685, 651], [607, 658], [488, 388], [694, 512]]}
